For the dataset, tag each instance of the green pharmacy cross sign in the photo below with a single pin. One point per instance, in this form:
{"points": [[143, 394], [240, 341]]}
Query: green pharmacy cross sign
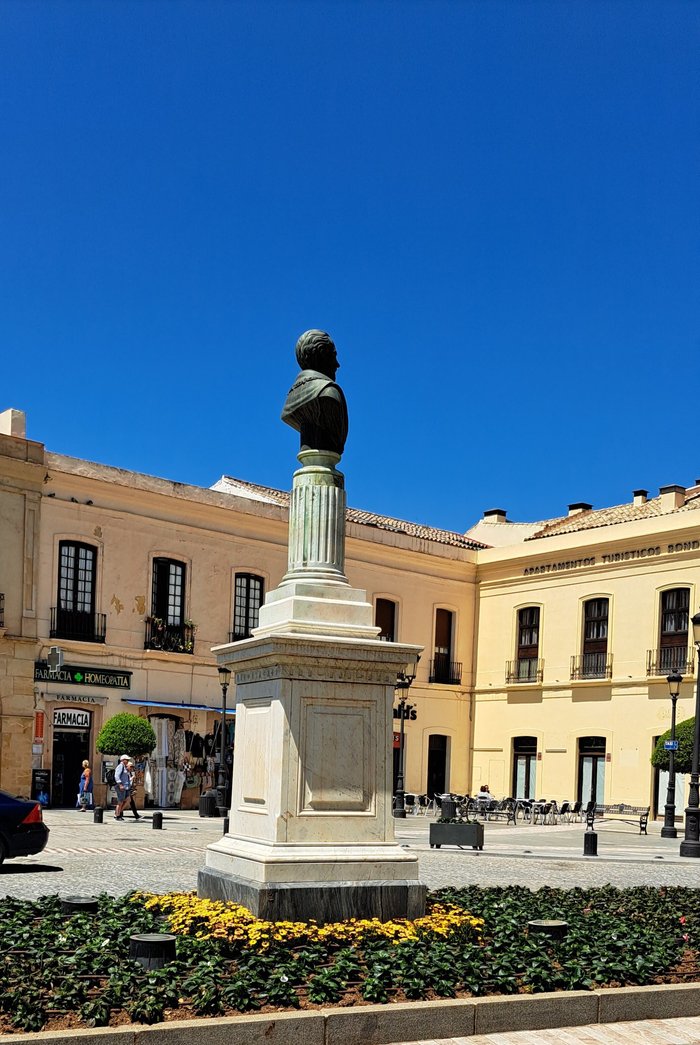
{"points": [[79, 675]]}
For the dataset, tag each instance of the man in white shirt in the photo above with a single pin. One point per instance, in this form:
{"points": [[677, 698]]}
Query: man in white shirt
{"points": [[122, 785]]}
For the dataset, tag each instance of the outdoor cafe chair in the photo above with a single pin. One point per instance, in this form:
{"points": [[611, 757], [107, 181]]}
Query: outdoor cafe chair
{"points": [[542, 811], [424, 804]]}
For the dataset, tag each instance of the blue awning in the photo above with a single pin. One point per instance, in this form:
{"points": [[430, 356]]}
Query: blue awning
{"points": [[173, 704]]}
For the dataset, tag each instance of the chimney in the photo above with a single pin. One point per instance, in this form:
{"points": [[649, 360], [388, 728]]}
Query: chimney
{"points": [[13, 422], [671, 497], [580, 506], [640, 497], [496, 515]]}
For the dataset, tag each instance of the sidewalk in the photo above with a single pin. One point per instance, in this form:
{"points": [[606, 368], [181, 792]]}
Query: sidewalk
{"points": [[684, 1031]]}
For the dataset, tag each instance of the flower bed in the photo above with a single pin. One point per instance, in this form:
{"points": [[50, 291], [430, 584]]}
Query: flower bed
{"points": [[60, 972]]}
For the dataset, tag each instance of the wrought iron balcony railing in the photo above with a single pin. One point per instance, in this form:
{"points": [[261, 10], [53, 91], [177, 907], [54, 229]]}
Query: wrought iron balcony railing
{"points": [[529, 669], [170, 638], [77, 625], [667, 659], [591, 666], [446, 671]]}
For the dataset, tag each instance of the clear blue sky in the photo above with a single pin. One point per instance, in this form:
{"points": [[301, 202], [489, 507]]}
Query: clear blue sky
{"points": [[493, 207]]}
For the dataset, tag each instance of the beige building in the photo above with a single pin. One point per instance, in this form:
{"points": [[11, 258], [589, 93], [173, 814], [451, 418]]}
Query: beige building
{"points": [[135, 578]]}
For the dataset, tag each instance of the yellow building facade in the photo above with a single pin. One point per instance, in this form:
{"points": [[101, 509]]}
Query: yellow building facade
{"points": [[580, 620]]}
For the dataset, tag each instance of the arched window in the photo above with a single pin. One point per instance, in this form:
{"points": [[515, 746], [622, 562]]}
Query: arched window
{"points": [[443, 668], [167, 627], [527, 667], [74, 615], [672, 652], [594, 661], [385, 619], [249, 590]]}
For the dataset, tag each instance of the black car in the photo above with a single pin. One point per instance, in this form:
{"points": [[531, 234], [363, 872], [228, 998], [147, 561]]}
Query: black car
{"points": [[22, 828]]}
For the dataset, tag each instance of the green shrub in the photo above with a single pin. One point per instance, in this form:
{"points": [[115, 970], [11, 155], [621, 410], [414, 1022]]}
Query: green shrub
{"points": [[684, 755], [126, 733]]}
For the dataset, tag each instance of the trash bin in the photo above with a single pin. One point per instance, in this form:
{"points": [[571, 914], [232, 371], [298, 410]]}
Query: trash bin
{"points": [[448, 808], [207, 804]]}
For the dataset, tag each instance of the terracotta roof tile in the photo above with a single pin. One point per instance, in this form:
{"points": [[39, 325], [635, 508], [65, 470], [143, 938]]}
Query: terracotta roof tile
{"points": [[355, 515], [620, 513]]}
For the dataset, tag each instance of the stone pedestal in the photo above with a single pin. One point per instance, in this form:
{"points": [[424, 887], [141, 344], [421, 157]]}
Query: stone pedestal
{"points": [[311, 830]]}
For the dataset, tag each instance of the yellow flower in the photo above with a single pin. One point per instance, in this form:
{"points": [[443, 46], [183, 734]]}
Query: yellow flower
{"points": [[190, 915]]}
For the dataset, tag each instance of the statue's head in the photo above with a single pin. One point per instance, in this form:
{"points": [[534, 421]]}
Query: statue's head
{"points": [[315, 351]]}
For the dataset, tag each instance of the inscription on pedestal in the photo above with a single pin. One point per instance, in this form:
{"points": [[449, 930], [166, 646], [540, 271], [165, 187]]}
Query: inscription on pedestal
{"points": [[310, 674]]}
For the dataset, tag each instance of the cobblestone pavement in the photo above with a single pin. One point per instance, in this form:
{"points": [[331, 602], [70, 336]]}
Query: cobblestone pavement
{"points": [[684, 1031], [84, 857]]}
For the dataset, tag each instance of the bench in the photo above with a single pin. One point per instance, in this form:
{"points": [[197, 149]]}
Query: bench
{"points": [[493, 810], [638, 816]]}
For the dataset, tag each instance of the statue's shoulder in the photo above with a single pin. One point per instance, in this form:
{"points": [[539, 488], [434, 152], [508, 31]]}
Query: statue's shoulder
{"points": [[309, 385]]}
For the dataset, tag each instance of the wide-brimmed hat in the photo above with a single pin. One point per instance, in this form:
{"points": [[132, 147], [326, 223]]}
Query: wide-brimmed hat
{"points": [[127, 757]]}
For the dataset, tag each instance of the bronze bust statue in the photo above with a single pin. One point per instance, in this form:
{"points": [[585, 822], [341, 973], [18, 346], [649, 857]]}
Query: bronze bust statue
{"points": [[315, 404]]}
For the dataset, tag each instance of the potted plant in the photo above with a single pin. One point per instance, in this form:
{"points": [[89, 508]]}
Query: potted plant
{"points": [[456, 830]]}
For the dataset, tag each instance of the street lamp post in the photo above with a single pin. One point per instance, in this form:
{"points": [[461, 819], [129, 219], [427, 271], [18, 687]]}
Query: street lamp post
{"points": [[669, 829], [690, 846], [404, 680], [222, 782]]}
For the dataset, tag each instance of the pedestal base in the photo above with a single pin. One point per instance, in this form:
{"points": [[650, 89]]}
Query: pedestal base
{"points": [[321, 901]]}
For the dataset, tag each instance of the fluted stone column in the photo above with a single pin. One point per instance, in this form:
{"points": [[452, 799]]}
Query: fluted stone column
{"points": [[317, 520], [314, 596]]}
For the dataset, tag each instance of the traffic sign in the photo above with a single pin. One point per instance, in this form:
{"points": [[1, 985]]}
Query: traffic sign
{"points": [[670, 745]]}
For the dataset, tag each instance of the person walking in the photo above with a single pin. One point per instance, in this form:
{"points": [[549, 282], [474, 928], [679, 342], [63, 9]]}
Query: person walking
{"points": [[132, 789], [122, 786], [85, 787]]}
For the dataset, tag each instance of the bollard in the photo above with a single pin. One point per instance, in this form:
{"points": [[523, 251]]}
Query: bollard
{"points": [[79, 904], [157, 821], [152, 950], [226, 820], [554, 928], [590, 843], [97, 814]]}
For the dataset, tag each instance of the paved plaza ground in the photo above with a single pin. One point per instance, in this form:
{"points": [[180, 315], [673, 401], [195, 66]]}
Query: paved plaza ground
{"points": [[84, 857]]}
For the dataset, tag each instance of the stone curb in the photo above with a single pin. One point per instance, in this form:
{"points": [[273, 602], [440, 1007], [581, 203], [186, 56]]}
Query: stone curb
{"points": [[402, 1022]]}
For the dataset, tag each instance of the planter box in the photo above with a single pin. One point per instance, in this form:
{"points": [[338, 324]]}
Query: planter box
{"points": [[457, 834]]}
